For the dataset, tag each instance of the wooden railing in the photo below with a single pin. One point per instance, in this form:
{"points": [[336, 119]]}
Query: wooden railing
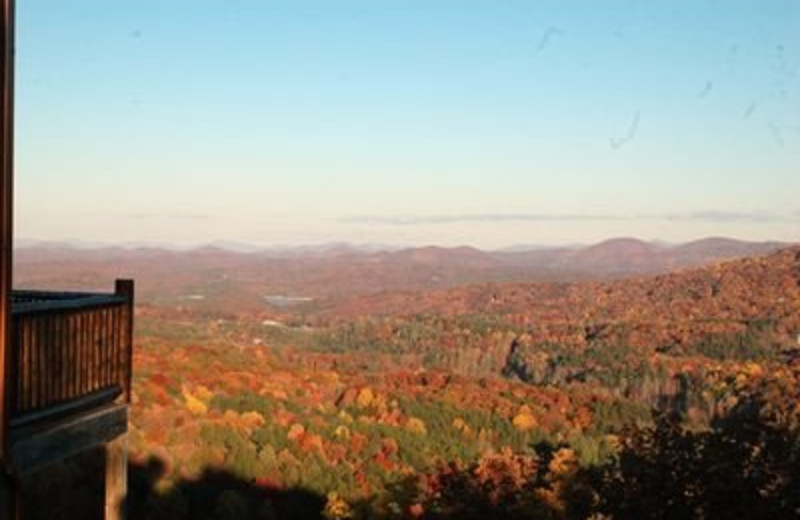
{"points": [[70, 351]]}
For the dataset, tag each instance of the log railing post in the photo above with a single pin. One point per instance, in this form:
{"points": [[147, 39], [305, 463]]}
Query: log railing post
{"points": [[125, 288]]}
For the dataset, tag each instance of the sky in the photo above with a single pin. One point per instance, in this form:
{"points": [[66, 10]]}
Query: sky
{"points": [[488, 123]]}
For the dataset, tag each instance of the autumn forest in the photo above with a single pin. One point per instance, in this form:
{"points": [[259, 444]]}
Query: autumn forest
{"points": [[436, 383]]}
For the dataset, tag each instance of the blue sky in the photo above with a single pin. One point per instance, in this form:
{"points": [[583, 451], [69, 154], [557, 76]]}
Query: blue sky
{"points": [[482, 122]]}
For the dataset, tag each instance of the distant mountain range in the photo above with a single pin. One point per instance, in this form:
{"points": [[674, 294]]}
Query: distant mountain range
{"points": [[710, 245], [226, 245], [623, 256], [328, 273], [667, 309]]}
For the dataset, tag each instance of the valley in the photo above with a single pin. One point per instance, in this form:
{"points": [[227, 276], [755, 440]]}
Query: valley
{"points": [[474, 396]]}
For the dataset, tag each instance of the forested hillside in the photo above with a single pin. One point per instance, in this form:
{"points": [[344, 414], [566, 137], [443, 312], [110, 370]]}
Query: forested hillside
{"points": [[673, 396]]}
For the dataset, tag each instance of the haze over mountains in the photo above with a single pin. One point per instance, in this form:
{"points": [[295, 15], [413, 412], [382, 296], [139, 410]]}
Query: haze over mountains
{"points": [[721, 244], [218, 275]]}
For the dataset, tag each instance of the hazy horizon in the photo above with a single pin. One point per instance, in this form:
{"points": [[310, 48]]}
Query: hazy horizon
{"points": [[244, 246], [489, 124]]}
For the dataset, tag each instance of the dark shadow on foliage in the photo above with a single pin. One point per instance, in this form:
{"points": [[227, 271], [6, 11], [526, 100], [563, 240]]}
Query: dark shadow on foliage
{"points": [[216, 494]]}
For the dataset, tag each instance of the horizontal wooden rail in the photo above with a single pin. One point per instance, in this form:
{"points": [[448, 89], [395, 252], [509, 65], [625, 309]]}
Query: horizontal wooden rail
{"points": [[24, 296], [93, 400], [88, 301], [67, 347]]}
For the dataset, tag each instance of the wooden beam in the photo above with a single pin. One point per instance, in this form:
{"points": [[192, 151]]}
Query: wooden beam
{"points": [[116, 478], [125, 288], [11, 504], [92, 301], [37, 446], [6, 206], [60, 410]]}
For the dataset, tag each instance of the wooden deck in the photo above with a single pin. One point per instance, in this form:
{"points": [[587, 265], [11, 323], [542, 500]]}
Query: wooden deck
{"points": [[69, 352], [70, 368]]}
